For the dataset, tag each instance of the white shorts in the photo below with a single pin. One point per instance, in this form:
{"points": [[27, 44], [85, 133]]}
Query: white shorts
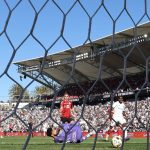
{"points": [[119, 119], [44, 129]]}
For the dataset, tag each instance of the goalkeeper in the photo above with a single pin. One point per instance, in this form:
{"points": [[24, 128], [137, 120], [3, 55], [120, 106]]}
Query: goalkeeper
{"points": [[69, 133]]}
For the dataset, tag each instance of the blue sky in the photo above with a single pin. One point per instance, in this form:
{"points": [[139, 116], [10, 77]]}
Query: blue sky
{"points": [[48, 26]]}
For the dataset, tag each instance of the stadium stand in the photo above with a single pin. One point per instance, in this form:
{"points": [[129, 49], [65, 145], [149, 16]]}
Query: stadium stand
{"points": [[95, 115]]}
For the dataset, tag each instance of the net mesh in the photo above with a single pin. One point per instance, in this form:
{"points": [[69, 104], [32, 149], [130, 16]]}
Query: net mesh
{"points": [[49, 24]]}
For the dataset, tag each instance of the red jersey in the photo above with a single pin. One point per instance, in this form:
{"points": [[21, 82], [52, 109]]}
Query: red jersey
{"points": [[66, 108]]}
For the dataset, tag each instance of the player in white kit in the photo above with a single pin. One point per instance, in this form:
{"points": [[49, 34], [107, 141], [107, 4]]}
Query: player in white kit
{"points": [[118, 113], [118, 117]]}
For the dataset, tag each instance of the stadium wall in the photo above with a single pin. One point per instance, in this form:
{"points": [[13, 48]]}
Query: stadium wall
{"points": [[130, 134]]}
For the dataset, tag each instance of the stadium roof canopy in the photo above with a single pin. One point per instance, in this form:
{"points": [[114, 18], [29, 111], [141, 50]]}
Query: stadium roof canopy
{"points": [[108, 53]]}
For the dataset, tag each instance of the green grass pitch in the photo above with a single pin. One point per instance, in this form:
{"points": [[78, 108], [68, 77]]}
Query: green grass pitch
{"points": [[46, 143]]}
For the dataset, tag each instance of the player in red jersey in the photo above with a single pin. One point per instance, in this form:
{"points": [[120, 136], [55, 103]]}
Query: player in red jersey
{"points": [[66, 109]]}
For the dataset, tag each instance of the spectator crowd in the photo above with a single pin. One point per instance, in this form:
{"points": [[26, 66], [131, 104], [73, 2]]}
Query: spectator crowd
{"points": [[96, 116]]}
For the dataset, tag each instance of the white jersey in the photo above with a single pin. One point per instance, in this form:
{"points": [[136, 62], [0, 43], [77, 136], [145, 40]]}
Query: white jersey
{"points": [[118, 108], [45, 126]]}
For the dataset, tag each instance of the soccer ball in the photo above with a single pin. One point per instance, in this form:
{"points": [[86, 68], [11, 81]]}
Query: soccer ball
{"points": [[117, 141]]}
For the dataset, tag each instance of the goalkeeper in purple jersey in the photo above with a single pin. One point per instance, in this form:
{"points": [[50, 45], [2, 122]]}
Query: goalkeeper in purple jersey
{"points": [[71, 130]]}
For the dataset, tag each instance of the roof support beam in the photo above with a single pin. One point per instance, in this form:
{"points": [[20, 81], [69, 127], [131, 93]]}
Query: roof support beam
{"points": [[39, 81]]}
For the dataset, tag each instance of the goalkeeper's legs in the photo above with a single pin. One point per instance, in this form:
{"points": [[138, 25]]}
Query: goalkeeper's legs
{"points": [[88, 135]]}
